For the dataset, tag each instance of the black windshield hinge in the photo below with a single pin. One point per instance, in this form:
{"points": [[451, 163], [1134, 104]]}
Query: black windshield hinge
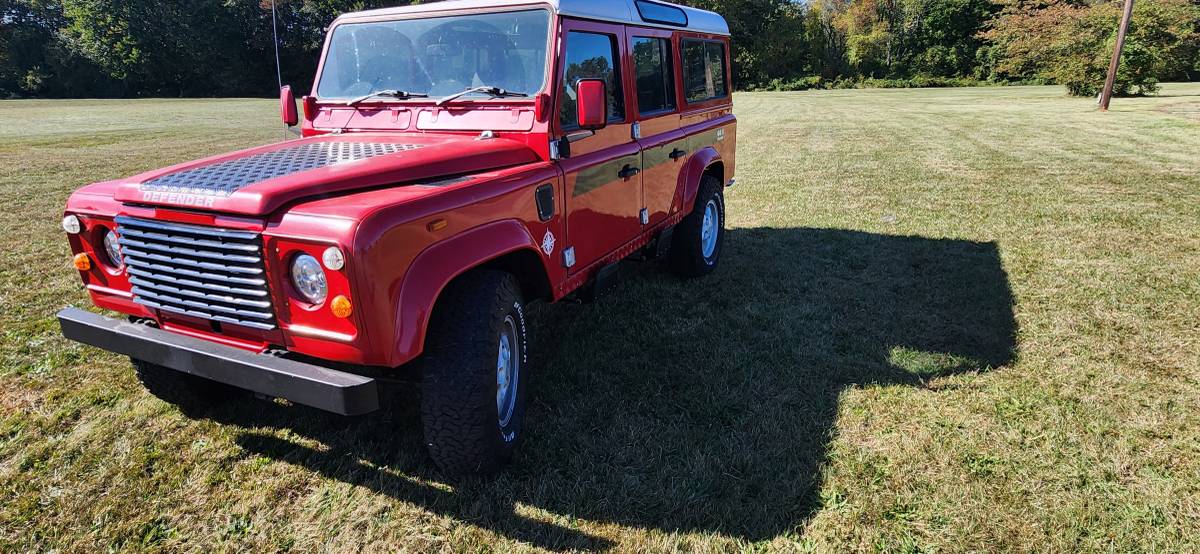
{"points": [[560, 148]]}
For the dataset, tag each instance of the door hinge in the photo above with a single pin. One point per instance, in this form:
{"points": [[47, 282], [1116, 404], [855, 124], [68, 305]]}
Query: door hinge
{"points": [[569, 257], [560, 149], [645, 215]]}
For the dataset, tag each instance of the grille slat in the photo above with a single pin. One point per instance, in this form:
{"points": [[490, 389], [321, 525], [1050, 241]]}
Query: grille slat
{"points": [[160, 269], [199, 305], [235, 269], [206, 272], [215, 299], [216, 287], [190, 252], [216, 317], [147, 236]]}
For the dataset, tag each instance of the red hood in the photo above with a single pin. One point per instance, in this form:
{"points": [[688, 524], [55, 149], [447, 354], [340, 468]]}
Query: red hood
{"points": [[260, 180]]}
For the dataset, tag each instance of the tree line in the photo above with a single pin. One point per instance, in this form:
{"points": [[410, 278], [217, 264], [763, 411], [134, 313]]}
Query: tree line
{"points": [[130, 48]]}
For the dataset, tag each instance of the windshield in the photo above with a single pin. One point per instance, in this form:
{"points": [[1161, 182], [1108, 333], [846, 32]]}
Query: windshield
{"points": [[438, 56]]}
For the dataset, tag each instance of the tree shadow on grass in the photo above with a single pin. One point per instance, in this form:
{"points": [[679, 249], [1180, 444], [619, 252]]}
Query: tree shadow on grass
{"points": [[701, 405]]}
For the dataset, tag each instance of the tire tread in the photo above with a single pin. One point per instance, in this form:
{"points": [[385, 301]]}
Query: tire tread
{"points": [[457, 400], [686, 258]]}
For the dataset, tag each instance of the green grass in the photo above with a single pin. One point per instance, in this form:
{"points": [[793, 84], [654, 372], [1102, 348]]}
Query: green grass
{"points": [[955, 320]]}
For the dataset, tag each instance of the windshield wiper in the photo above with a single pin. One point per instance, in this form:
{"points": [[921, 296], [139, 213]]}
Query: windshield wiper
{"points": [[397, 94], [496, 92]]}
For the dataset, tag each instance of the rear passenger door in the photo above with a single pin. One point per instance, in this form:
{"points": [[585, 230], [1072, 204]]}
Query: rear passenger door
{"points": [[664, 147], [603, 172]]}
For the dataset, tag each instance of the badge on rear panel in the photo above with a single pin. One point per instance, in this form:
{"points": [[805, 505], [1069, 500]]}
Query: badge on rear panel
{"points": [[548, 243]]}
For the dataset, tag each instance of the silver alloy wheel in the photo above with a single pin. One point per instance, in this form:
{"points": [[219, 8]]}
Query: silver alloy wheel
{"points": [[508, 371], [709, 229]]}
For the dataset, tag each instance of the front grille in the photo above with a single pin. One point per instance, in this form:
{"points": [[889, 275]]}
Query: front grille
{"points": [[206, 272]]}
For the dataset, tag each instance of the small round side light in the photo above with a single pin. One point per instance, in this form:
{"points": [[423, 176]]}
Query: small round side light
{"points": [[71, 225], [333, 258], [341, 307], [82, 262]]}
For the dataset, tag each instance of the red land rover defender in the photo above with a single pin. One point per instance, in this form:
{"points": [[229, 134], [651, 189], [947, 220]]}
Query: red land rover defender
{"points": [[458, 160]]}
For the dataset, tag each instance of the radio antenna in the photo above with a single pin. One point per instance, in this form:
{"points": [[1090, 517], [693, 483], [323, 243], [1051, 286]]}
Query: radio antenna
{"points": [[275, 35]]}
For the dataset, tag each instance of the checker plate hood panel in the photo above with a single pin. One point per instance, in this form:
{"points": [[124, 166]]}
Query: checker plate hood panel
{"points": [[260, 180]]}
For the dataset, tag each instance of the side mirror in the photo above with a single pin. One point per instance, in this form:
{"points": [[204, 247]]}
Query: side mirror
{"points": [[287, 107], [591, 103]]}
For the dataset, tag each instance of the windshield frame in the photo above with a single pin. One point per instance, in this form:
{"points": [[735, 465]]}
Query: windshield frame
{"points": [[547, 76]]}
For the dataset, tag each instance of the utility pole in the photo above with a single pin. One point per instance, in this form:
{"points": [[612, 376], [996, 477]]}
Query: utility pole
{"points": [[1106, 95]]}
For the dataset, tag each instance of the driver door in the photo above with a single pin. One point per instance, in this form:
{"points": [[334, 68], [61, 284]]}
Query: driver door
{"points": [[603, 173]]}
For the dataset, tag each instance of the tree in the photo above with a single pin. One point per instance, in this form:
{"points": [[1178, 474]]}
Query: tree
{"points": [[945, 37], [224, 47], [33, 58], [1070, 43]]}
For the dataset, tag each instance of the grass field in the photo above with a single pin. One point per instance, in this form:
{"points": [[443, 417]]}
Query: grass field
{"points": [[952, 320]]}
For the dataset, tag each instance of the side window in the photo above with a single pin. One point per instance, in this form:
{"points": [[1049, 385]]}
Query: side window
{"points": [[592, 55], [704, 70], [655, 82], [658, 13]]}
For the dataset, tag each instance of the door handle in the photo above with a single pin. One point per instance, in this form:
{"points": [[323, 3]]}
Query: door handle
{"points": [[677, 153], [628, 171]]}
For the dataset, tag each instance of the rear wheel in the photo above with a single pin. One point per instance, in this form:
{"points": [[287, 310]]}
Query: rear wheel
{"points": [[474, 374], [697, 240], [185, 390]]}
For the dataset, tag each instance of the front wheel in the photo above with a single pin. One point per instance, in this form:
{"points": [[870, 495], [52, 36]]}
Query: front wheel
{"points": [[696, 243], [474, 374]]}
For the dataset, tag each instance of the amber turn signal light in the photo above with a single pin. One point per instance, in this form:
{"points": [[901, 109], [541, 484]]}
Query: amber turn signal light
{"points": [[82, 262], [341, 307]]}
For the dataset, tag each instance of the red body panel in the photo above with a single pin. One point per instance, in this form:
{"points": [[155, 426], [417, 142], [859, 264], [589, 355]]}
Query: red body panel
{"points": [[410, 221]]}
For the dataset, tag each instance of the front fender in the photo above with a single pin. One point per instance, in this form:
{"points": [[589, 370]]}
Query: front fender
{"points": [[439, 264]]}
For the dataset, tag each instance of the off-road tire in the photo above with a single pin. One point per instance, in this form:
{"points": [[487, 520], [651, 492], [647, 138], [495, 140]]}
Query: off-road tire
{"points": [[459, 412], [687, 257], [187, 391]]}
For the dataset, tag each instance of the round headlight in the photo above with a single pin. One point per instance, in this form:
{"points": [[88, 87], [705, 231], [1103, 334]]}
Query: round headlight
{"points": [[112, 249], [71, 225], [309, 278]]}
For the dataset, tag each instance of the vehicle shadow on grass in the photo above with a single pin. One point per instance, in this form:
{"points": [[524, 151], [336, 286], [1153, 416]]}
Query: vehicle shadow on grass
{"points": [[703, 405]]}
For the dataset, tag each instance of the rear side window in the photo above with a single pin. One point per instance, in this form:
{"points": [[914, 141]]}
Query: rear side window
{"points": [[704, 76], [655, 82], [591, 55]]}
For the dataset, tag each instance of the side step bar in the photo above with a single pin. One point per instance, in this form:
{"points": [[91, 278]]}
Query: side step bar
{"points": [[312, 385]]}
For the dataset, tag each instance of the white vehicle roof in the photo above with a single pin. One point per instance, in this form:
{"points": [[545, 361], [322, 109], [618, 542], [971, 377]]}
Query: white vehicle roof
{"points": [[618, 11]]}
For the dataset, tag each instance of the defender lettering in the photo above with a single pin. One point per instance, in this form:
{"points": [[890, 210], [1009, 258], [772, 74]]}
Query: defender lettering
{"points": [[178, 199]]}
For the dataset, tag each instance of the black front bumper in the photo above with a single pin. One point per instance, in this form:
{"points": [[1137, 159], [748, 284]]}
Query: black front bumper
{"points": [[312, 385]]}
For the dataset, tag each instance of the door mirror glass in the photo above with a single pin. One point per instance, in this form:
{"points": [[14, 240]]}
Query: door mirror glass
{"points": [[287, 107], [591, 107]]}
